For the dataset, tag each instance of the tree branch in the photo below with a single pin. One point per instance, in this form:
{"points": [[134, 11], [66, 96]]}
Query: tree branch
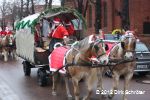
{"points": [[93, 2]]}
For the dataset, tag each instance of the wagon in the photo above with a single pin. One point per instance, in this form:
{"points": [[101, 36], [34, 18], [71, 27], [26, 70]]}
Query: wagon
{"points": [[37, 56]]}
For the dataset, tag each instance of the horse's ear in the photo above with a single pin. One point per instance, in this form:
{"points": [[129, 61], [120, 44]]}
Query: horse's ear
{"points": [[123, 45], [94, 37], [106, 47]]}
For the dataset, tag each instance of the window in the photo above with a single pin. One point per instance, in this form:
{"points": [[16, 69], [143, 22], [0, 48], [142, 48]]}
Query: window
{"points": [[105, 14], [90, 16]]}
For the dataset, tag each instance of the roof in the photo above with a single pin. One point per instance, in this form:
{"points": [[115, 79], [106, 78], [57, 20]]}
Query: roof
{"points": [[62, 12], [27, 21]]}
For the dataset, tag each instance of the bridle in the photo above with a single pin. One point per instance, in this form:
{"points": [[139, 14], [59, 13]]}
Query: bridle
{"points": [[95, 43], [127, 37]]}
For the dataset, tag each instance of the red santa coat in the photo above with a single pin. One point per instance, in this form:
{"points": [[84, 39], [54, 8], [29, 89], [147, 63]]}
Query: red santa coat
{"points": [[70, 28], [8, 32], [36, 37], [37, 33], [59, 32], [2, 33]]}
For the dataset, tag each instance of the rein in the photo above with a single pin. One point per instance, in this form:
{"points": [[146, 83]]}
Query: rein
{"points": [[113, 62], [95, 43]]}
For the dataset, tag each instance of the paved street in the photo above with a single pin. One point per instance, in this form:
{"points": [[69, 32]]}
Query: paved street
{"points": [[36, 27], [15, 86]]}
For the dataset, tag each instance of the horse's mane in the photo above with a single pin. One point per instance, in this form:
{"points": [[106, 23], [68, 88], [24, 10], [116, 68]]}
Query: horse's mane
{"points": [[80, 48], [116, 51], [85, 43]]}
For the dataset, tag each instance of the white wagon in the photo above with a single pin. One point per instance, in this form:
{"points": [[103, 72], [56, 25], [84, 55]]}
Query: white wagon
{"points": [[37, 57]]}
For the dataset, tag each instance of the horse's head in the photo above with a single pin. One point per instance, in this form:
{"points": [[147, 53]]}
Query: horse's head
{"points": [[93, 46], [99, 49], [10, 39], [128, 43]]}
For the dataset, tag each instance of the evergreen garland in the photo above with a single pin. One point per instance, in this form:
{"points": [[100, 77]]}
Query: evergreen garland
{"points": [[54, 11]]}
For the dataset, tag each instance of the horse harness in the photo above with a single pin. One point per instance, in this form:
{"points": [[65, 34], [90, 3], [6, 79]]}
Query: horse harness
{"points": [[120, 61], [85, 63]]}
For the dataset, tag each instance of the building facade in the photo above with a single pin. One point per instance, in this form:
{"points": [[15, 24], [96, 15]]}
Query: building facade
{"points": [[138, 15]]}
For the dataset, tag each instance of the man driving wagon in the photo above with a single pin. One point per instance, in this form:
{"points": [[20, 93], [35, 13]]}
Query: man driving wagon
{"points": [[60, 33]]}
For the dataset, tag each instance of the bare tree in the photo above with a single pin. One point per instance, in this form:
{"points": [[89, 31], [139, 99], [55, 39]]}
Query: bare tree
{"points": [[4, 10], [50, 4], [32, 7], [27, 8], [98, 15], [13, 8], [46, 4], [79, 5], [125, 15], [62, 3], [21, 10]]}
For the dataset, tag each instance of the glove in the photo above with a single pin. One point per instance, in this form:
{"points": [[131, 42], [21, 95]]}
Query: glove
{"points": [[66, 39]]}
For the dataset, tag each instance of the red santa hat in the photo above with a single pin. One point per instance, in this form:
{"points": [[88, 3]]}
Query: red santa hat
{"points": [[56, 20]]}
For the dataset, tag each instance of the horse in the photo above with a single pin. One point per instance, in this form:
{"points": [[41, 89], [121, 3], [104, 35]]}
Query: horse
{"points": [[123, 51], [79, 57], [7, 43]]}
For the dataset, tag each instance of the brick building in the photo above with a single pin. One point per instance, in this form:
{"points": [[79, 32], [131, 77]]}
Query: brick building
{"points": [[139, 15]]}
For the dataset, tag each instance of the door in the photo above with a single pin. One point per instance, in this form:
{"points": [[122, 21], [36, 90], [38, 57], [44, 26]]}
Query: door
{"points": [[146, 27]]}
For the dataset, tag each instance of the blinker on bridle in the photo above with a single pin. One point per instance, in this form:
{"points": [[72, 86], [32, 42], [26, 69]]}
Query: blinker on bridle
{"points": [[124, 38], [96, 43]]}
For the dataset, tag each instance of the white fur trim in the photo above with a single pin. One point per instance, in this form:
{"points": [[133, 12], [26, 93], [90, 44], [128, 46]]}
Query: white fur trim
{"points": [[56, 22], [58, 43], [90, 39]]}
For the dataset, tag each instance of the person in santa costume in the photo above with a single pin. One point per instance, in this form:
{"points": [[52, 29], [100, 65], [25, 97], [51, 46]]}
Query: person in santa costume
{"points": [[2, 33], [7, 31], [58, 33], [69, 27]]}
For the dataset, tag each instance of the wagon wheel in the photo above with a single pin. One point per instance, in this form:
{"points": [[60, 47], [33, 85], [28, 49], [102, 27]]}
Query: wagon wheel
{"points": [[26, 68], [42, 77]]}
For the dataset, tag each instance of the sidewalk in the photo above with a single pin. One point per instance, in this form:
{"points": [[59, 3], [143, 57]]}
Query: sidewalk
{"points": [[6, 92]]}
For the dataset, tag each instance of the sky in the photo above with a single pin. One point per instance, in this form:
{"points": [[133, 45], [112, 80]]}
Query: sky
{"points": [[54, 2]]}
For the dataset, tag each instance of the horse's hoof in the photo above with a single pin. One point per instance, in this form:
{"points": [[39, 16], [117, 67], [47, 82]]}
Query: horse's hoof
{"points": [[110, 96], [103, 96], [69, 96], [54, 93]]}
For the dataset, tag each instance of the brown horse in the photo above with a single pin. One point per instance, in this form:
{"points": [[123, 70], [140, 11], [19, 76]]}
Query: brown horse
{"points": [[7, 43], [80, 58], [123, 51]]}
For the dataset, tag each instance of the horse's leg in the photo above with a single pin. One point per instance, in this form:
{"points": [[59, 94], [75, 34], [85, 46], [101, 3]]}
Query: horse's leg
{"points": [[67, 87], [91, 79], [75, 83], [100, 76], [128, 77], [116, 77], [14, 54], [54, 86], [5, 55]]}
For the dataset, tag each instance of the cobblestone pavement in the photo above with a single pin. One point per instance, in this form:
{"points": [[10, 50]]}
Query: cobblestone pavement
{"points": [[6, 92]]}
